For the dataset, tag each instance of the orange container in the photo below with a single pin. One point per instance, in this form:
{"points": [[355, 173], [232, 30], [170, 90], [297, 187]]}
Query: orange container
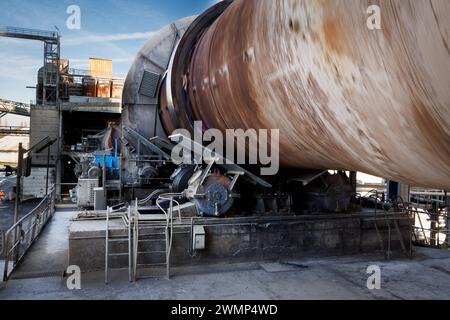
{"points": [[116, 89], [103, 88], [89, 87], [100, 68]]}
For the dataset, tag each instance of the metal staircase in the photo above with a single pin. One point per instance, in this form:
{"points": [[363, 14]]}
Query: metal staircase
{"points": [[148, 245]]}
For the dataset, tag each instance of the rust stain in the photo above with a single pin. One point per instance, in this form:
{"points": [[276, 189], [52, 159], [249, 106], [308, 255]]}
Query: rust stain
{"points": [[318, 128], [334, 36], [432, 131]]}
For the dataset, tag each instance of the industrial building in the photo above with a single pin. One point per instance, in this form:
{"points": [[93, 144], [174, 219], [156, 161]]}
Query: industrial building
{"points": [[120, 207]]}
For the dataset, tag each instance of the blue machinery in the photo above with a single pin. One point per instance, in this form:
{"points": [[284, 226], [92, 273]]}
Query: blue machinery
{"points": [[111, 163]]}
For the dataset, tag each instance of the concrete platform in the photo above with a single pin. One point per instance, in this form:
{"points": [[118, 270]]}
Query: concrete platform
{"points": [[239, 239], [40, 276], [427, 276]]}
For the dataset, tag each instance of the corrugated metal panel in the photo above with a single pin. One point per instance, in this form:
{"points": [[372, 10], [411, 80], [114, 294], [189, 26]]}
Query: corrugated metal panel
{"points": [[149, 84], [100, 68]]}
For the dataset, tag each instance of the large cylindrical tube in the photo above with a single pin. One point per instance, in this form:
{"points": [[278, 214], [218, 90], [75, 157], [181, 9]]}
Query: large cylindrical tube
{"points": [[342, 95]]}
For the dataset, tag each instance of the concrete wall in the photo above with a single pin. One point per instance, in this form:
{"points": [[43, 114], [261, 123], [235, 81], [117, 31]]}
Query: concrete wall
{"points": [[44, 121], [228, 241], [34, 185]]}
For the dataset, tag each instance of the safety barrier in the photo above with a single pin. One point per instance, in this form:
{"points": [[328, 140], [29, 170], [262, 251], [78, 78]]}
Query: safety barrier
{"points": [[18, 239]]}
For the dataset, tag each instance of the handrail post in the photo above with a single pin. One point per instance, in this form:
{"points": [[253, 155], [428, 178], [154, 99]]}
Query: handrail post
{"points": [[106, 245], [5, 256], [18, 192], [130, 258], [411, 233]]}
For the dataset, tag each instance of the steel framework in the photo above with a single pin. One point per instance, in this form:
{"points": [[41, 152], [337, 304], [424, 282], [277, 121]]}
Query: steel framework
{"points": [[52, 50], [13, 107]]}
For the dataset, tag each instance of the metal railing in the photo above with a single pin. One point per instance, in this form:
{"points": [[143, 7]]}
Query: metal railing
{"points": [[13, 107], [29, 32], [14, 130], [62, 189], [18, 239], [430, 228], [430, 217]]}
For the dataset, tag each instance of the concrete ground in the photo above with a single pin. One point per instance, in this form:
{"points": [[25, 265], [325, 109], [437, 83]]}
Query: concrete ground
{"points": [[426, 276]]}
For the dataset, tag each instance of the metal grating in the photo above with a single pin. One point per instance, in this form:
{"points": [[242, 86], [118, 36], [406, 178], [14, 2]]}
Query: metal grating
{"points": [[149, 84]]}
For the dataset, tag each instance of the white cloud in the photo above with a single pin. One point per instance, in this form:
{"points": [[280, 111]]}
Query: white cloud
{"points": [[13, 41], [97, 38], [19, 67]]}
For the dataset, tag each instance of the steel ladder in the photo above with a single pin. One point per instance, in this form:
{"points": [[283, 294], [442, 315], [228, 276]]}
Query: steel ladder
{"points": [[117, 240]]}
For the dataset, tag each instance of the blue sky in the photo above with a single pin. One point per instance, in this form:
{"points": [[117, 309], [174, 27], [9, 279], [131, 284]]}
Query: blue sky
{"points": [[113, 29]]}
